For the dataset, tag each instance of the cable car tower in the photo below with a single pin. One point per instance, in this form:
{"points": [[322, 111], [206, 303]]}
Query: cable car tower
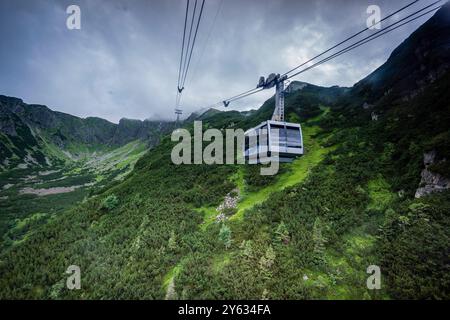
{"points": [[275, 135], [274, 80]]}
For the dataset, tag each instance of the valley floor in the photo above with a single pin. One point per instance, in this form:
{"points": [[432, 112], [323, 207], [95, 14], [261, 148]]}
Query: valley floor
{"points": [[32, 195]]}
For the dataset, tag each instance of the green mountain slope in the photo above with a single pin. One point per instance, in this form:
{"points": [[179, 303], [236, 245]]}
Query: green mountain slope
{"points": [[310, 232]]}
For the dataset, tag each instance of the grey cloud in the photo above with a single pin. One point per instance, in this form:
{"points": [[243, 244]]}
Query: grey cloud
{"points": [[124, 60]]}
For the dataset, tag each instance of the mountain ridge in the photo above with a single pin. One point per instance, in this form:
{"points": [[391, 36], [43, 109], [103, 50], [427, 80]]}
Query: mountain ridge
{"points": [[43, 126], [410, 70]]}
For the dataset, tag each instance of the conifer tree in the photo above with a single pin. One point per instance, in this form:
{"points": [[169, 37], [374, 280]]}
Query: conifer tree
{"points": [[266, 262], [172, 241], [282, 233], [225, 236]]}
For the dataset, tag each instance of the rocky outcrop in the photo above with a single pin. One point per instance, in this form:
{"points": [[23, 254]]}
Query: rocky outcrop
{"points": [[228, 206], [431, 182], [296, 86]]}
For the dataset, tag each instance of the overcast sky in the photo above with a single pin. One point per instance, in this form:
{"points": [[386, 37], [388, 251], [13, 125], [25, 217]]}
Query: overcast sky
{"points": [[124, 60]]}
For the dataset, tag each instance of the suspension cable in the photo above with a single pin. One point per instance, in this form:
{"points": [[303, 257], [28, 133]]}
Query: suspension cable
{"points": [[351, 37], [369, 38], [193, 42], [348, 48]]}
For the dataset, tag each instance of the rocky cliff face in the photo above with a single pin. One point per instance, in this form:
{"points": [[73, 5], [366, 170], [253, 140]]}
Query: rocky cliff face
{"points": [[7, 122], [129, 129], [431, 182], [18, 144]]}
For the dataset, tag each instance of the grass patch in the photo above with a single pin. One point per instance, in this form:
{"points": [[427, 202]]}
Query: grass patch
{"points": [[379, 193], [172, 274], [298, 171], [219, 262]]}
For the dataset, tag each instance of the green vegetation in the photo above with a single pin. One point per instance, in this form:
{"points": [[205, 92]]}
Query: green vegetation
{"points": [[225, 236], [309, 232], [110, 202]]}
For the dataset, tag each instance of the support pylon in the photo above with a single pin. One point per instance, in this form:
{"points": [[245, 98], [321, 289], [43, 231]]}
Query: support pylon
{"points": [[278, 113]]}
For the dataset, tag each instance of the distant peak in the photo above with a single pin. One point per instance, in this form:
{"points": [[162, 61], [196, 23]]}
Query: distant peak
{"points": [[10, 101], [124, 120]]}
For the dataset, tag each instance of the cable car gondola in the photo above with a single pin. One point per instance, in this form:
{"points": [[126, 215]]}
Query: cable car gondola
{"points": [[275, 136]]}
